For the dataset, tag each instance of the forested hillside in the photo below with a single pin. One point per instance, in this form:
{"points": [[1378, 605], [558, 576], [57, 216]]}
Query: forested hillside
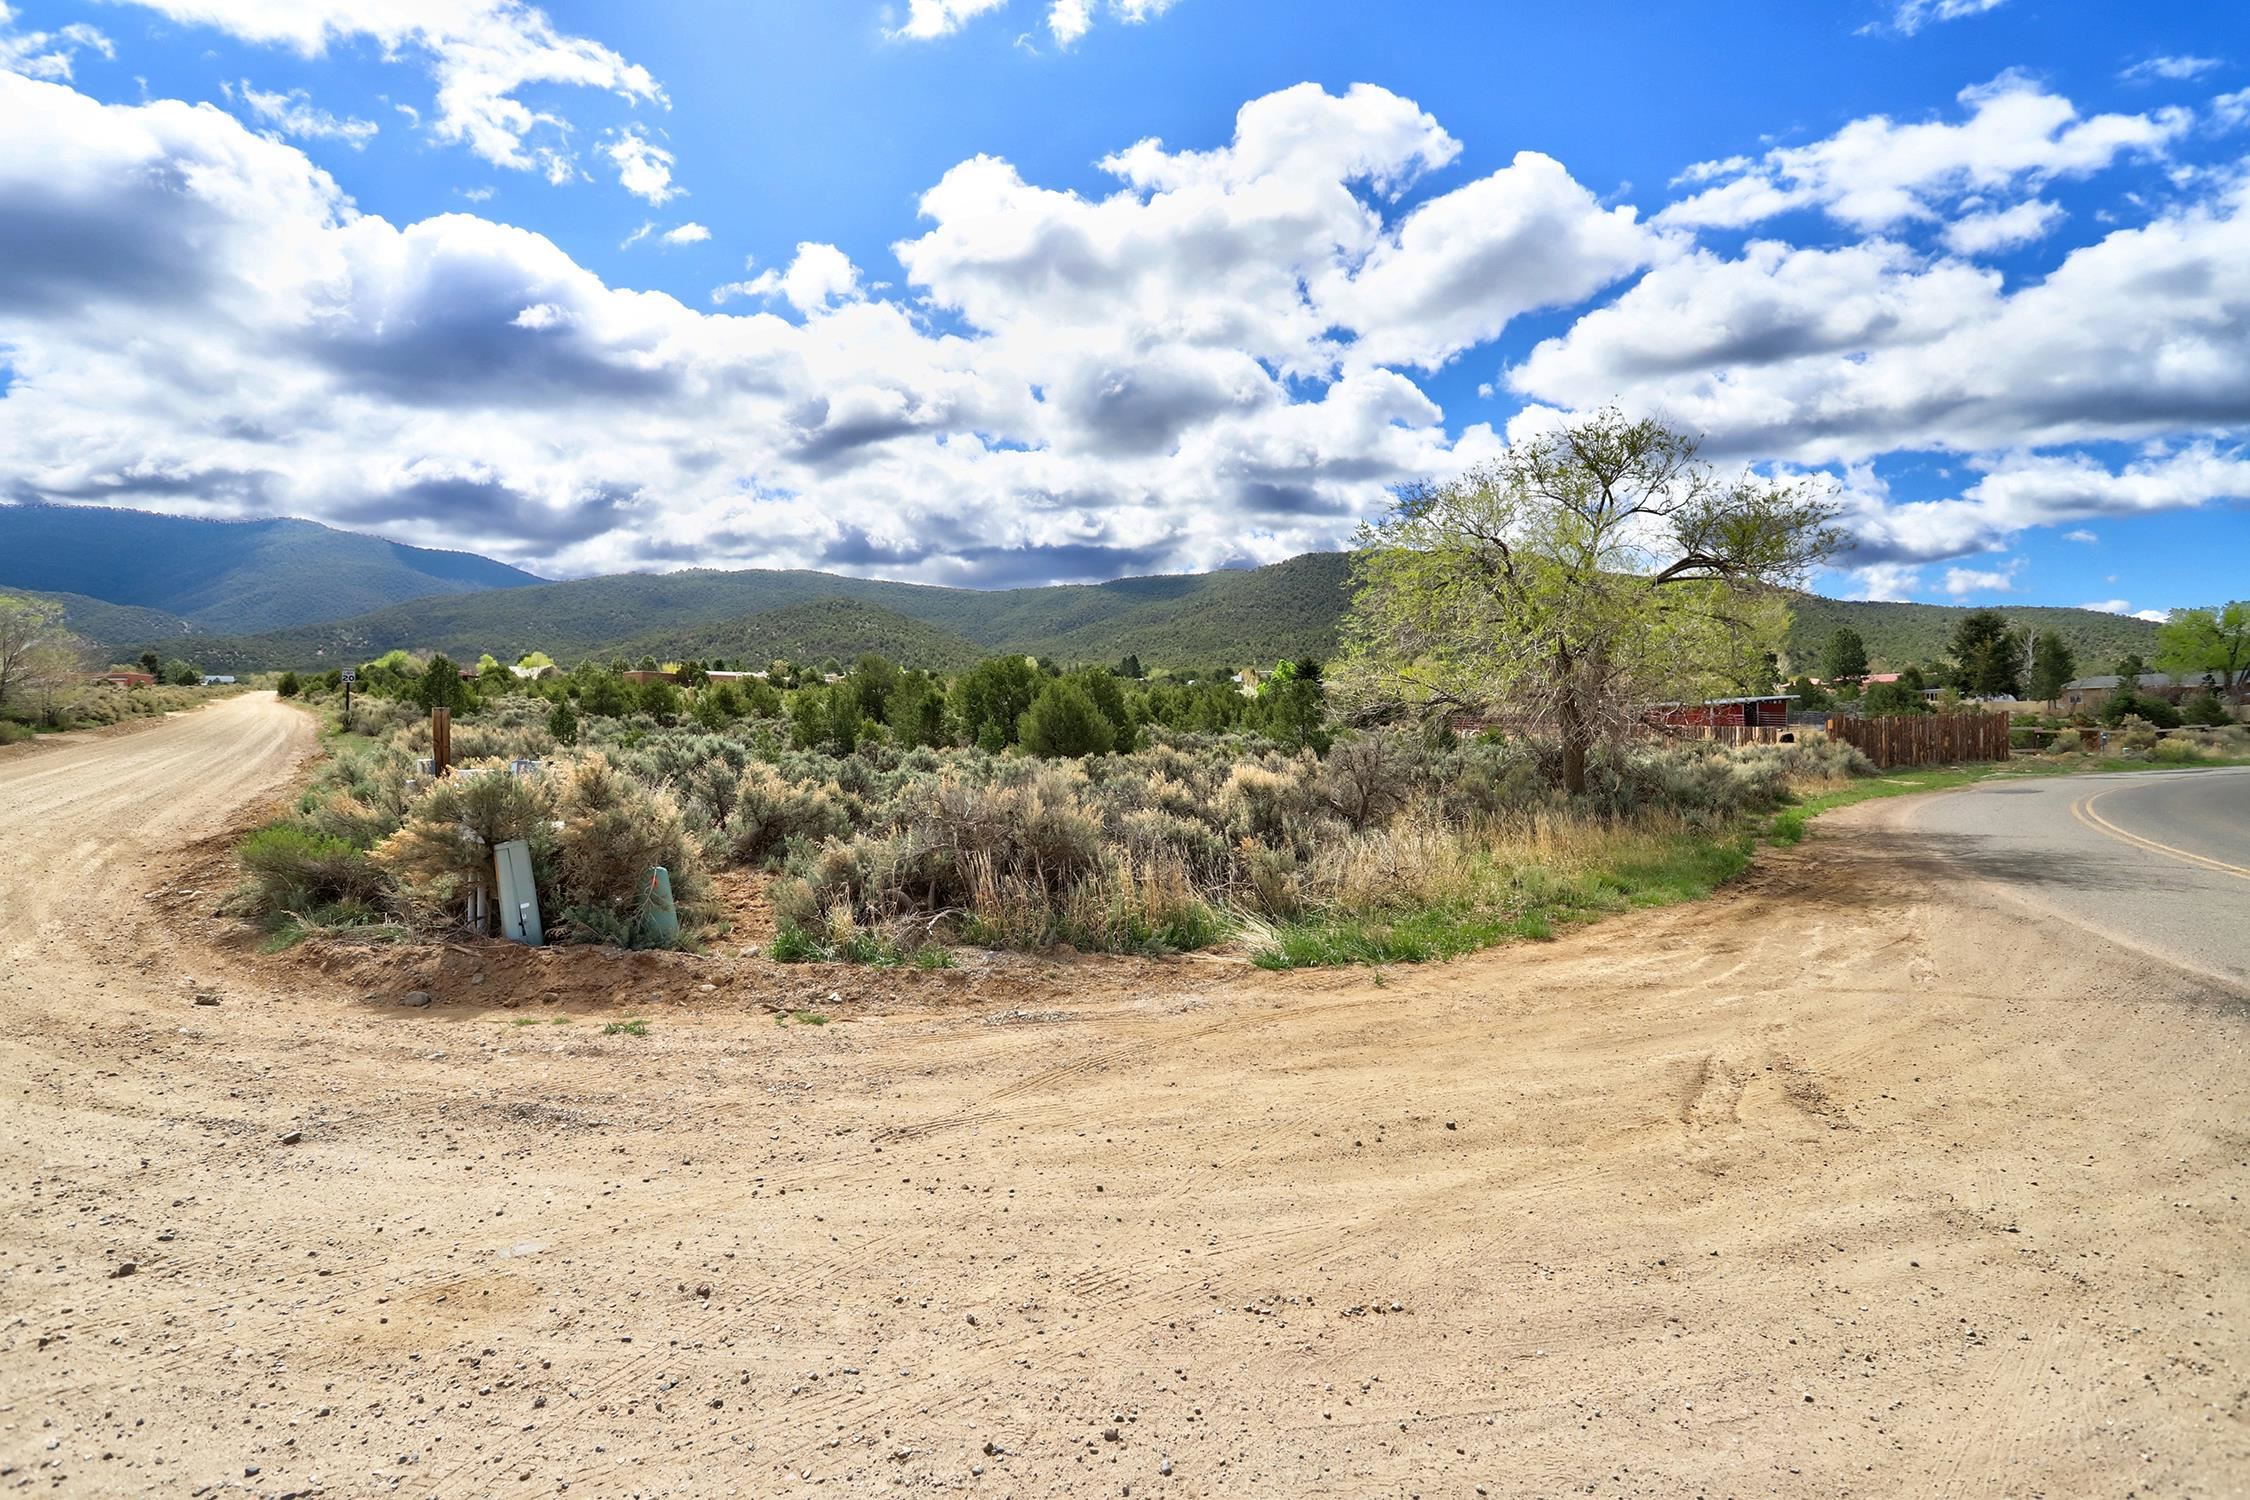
{"points": [[815, 631], [1904, 635], [223, 576], [1229, 617]]}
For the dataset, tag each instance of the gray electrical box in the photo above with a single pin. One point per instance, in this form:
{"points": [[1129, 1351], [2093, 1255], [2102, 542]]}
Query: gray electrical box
{"points": [[519, 896]]}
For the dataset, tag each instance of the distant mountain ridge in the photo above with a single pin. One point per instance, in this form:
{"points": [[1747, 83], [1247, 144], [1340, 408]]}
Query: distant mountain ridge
{"points": [[247, 595], [232, 577], [1227, 618], [1254, 614], [1900, 635]]}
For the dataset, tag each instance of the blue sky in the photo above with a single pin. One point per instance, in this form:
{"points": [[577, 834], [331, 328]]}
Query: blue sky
{"points": [[1982, 263]]}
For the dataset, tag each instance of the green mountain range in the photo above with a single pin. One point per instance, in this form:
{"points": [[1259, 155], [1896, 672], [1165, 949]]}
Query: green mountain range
{"points": [[1229, 617], [1915, 635], [250, 595], [221, 576]]}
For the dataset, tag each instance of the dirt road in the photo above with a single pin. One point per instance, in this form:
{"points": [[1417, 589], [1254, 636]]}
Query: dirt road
{"points": [[1783, 1194]]}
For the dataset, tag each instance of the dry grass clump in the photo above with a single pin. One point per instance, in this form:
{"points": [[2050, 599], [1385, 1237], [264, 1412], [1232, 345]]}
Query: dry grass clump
{"points": [[371, 843], [1170, 846]]}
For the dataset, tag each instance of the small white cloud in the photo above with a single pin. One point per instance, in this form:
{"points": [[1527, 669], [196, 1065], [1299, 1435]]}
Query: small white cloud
{"points": [[648, 227], [1887, 581], [477, 194], [2153, 616], [47, 54], [929, 19], [2108, 606], [1067, 20], [2174, 69], [482, 53], [820, 276], [686, 234], [2002, 229], [542, 315], [644, 168], [1877, 172], [1911, 16], [1961, 582], [413, 115], [1070, 19], [294, 114], [2081, 535]]}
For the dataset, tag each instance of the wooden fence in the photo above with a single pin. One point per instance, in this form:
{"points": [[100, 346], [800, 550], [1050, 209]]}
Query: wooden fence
{"points": [[1925, 739]]}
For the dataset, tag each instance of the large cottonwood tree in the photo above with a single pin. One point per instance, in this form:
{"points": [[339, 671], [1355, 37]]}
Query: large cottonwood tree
{"points": [[2215, 641], [1583, 575]]}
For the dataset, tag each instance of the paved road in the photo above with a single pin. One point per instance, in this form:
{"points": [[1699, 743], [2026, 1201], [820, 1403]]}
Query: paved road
{"points": [[2156, 860]]}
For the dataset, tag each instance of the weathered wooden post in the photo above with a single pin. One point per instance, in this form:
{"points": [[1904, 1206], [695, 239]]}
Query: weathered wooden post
{"points": [[441, 739]]}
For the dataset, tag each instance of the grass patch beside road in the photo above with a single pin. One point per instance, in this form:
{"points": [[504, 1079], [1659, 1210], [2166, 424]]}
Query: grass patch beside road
{"points": [[1515, 889]]}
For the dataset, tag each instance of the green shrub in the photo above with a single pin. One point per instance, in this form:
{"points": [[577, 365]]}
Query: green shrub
{"points": [[2066, 742], [453, 826], [287, 687], [2206, 709], [795, 945], [291, 869], [615, 831], [769, 812], [1063, 722]]}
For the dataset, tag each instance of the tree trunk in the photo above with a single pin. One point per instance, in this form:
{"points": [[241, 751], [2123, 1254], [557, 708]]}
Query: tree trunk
{"points": [[1573, 747]]}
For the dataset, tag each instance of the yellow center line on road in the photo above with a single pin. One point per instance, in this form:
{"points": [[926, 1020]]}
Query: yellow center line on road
{"points": [[2083, 811]]}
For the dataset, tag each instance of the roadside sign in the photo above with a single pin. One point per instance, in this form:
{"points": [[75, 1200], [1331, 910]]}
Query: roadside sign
{"points": [[351, 674]]}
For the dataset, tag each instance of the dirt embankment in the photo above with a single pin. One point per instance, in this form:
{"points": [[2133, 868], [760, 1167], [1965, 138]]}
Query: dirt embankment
{"points": [[1786, 1193]]}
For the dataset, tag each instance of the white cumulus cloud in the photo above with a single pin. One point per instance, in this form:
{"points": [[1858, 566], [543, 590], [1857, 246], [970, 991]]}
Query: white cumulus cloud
{"points": [[644, 168], [482, 53], [1991, 230], [47, 54], [928, 19], [1877, 172], [1962, 582]]}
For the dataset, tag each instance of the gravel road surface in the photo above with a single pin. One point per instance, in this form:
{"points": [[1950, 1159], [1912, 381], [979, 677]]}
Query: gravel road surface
{"points": [[1884, 1173]]}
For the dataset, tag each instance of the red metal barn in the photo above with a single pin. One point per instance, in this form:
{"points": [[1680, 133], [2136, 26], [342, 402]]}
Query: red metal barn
{"points": [[1768, 712]]}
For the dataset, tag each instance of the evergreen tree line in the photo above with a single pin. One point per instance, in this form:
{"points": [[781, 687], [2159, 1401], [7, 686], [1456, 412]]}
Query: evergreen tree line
{"points": [[1003, 703]]}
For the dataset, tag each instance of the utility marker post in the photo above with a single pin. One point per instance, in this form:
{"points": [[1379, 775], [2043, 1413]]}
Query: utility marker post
{"points": [[351, 675], [441, 739]]}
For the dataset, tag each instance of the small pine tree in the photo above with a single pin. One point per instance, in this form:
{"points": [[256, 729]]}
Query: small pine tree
{"points": [[441, 685], [562, 724], [288, 686], [1846, 656], [2205, 708], [1063, 721]]}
